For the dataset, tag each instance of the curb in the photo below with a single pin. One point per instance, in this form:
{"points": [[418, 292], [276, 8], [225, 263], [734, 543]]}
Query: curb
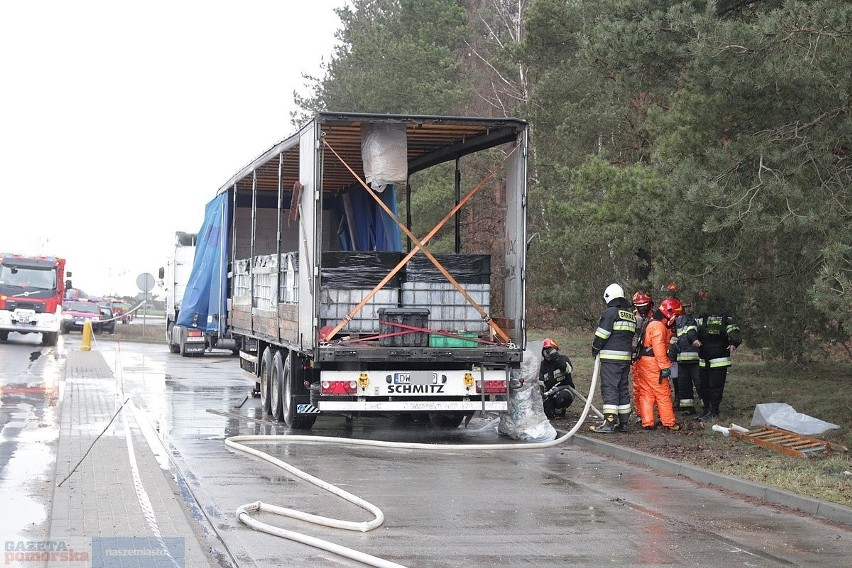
{"points": [[814, 507]]}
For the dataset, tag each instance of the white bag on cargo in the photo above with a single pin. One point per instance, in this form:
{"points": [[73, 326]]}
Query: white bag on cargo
{"points": [[384, 151]]}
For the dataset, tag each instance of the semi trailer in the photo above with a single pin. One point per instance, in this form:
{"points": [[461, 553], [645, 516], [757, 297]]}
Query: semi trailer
{"points": [[308, 260]]}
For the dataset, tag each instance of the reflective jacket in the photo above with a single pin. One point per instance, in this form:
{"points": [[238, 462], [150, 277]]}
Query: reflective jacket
{"points": [[686, 353], [556, 370], [715, 334], [614, 335]]}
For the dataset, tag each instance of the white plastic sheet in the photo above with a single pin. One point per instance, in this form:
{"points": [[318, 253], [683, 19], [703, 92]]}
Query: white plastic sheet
{"points": [[782, 415], [525, 420], [384, 150]]}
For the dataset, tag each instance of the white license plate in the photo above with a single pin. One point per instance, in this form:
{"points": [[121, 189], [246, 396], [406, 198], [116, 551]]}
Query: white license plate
{"points": [[415, 378]]}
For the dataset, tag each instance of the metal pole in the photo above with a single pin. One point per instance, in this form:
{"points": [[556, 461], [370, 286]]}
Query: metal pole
{"points": [[581, 397]]}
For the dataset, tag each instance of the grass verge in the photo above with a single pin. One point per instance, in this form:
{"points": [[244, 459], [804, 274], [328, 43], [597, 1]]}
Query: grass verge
{"points": [[819, 390]]}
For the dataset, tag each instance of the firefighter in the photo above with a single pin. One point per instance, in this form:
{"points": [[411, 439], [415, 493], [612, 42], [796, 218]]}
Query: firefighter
{"points": [[554, 374], [642, 306], [613, 342], [716, 337], [687, 361], [653, 369], [671, 289]]}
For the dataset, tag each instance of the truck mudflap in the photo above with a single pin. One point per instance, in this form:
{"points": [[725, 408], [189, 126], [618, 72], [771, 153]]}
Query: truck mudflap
{"points": [[307, 409]]}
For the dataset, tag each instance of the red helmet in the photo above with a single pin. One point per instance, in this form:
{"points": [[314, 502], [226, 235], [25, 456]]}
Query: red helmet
{"points": [[641, 299], [671, 308], [548, 348]]}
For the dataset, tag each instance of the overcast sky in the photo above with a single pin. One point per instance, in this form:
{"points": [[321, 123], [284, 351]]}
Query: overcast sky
{"points": [[120, 120]]}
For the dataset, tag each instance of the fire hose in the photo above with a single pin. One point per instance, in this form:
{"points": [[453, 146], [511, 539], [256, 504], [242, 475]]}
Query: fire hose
{"points": [[238, 443]]}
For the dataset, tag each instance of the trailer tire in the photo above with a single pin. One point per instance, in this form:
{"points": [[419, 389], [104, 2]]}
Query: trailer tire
{"points": [[173, 348], [288, 382], [4, 335], [265, 368], [49, 339], [448, 421], [275, 386]]}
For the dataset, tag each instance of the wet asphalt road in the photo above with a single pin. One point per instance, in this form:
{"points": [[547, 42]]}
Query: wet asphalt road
{"points": [[30, 383], [558, 506]]}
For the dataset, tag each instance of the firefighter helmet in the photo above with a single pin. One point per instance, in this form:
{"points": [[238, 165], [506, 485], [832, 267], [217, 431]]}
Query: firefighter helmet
{"points": [[612, 292], [642, 303], [641, 299], [671, 308], [548, 347]]}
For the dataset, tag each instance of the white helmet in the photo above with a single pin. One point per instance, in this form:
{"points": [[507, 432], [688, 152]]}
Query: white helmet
{"points": [[612, 292]]}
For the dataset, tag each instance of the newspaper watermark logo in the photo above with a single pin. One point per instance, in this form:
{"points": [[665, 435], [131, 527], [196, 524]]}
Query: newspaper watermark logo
{"points": [[54, 552], [141, 552]]}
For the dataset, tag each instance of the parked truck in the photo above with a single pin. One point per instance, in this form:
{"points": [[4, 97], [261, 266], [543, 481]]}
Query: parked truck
{"points": [[31, 293], [335, 305], [188, 336]]}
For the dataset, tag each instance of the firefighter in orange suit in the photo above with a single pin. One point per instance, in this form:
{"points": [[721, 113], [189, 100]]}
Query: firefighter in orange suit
{"points": [[653, 368], [642, 306]]}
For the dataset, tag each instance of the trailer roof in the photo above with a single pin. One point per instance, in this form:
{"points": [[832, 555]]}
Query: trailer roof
{"points": [[431, 140]]}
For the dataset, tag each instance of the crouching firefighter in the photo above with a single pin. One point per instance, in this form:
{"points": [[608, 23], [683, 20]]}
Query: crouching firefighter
{"points": [[613, 343], [554, 374]]}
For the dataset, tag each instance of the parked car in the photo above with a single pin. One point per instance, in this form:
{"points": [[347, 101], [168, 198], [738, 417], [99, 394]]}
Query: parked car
{"points": [[76, 312], [107, 319]]}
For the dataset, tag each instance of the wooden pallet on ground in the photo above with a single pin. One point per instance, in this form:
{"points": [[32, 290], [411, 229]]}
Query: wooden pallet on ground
{"points": [[790, 443]]}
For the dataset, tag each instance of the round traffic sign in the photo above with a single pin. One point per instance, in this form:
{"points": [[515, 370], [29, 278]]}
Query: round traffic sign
{"points": [[145, 282]]}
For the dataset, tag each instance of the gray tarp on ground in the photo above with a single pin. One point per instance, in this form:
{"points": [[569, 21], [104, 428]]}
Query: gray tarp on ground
{"points": [[782, 415]]}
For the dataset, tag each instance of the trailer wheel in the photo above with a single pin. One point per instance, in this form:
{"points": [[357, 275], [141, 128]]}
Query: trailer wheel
{"points": [[265, 368], [173, 348], [275, 377], [448, 421], [293, 420], [49, 339], [4, 335]]}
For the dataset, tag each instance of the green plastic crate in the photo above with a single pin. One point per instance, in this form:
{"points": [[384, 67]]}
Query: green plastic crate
{"points": [[444, 341]]}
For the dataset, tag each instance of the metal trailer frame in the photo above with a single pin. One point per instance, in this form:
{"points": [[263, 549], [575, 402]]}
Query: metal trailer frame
{"points": [[314, 162]]}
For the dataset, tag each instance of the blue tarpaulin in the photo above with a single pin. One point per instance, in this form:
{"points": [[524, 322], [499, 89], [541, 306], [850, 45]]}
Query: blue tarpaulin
{"points": [[203, 304], [372, 228]]}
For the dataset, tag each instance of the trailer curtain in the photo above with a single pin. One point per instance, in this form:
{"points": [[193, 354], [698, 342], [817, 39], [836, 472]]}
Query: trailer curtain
{"points": [[363, 220], [203, 305]]}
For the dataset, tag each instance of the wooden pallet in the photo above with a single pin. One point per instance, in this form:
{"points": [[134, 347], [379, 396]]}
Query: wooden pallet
{"points": [[789, 443]]}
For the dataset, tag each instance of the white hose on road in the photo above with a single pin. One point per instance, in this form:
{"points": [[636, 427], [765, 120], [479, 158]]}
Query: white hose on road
{"points": [[238, 443]]}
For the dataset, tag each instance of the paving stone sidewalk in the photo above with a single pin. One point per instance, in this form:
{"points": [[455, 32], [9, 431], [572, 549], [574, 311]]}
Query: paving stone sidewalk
{"points": [[109, 501]]}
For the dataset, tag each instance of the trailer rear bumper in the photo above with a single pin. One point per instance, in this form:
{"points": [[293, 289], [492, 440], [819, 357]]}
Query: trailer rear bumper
{"points": [[412, 406]]}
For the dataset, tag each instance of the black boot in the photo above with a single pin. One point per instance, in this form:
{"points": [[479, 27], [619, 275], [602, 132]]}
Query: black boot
{"points": [[707, 414], [608, 425], [623, 422], [714, 408]]}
